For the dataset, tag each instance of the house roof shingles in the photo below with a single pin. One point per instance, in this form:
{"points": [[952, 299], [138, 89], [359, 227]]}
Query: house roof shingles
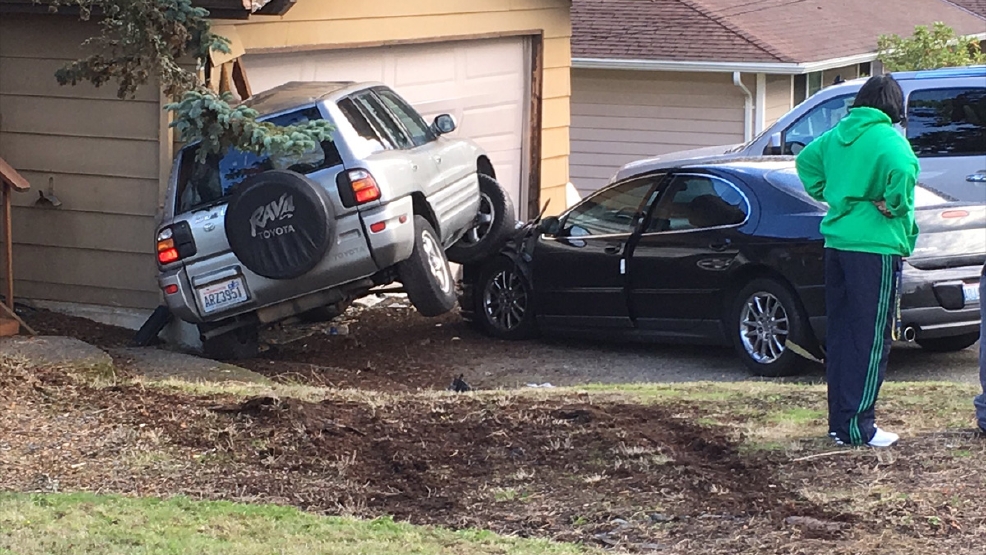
{"points": [[975, 6], [772, 31]]}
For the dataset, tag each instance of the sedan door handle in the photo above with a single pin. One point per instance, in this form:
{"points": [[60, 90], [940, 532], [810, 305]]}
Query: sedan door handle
{"points": [[720, 246], [979, 177], [613, 249], [414, 167]]}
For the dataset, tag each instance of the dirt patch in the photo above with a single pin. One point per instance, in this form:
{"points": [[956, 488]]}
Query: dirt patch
{"points": [[567, 468], [571, 467], [46, 322]]}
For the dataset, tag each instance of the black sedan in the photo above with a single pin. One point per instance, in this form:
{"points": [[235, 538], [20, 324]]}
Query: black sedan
{"points": [[720, 252]]}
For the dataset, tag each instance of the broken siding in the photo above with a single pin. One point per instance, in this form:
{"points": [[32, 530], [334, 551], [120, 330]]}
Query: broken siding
{"points": [[344, 24], [99, 155], [621, 116]]}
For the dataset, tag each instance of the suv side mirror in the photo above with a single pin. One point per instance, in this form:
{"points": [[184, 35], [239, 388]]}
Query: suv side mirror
{"points": [[444, 124], [550, 225]]}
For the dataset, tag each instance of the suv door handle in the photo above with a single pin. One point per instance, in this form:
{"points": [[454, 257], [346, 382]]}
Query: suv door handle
{"points": [[613, 249], [978, 177], [720, 246], [438, 159], [414, 167]]}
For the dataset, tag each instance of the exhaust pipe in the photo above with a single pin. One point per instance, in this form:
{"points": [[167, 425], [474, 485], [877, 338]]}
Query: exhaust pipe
{"points": [[910, 334]]}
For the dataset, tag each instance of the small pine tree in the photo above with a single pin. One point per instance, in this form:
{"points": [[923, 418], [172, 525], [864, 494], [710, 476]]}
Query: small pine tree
{"points": [[929, 49]]}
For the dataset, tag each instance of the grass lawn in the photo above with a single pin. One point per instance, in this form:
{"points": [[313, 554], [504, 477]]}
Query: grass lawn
{"points": [[70, 524]]}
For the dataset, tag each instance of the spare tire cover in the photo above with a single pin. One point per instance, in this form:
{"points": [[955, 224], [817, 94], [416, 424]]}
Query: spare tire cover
{"points": [[277, 224]]}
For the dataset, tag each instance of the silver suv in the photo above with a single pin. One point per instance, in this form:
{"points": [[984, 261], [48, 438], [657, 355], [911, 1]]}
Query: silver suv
{"points": [[249, 240], [945, 124]]}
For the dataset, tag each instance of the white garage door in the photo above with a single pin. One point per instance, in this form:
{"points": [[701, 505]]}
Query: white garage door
{"points": [[483, 83]]}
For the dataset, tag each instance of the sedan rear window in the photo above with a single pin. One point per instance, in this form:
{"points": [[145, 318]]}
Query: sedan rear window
{"points": [[210, 182]]}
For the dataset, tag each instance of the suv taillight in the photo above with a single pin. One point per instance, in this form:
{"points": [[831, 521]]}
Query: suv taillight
{"points": [[365, 188], [174, 243]]}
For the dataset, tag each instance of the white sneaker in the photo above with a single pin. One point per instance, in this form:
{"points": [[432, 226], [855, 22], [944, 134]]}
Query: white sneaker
{"points": [[883, 439]]}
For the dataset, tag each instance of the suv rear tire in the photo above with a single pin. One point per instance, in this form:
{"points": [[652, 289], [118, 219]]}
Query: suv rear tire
{"points": [[426, 275], [494, 222], [239, 344]]}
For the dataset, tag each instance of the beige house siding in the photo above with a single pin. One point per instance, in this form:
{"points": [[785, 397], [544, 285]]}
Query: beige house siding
{"points": [[100, 157], [779, 96], [621, 116], [107, 160], [344, 24]]}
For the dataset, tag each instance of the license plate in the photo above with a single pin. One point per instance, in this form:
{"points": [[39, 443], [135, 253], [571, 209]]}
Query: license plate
{"points": [[222, 295], [970, 291]]}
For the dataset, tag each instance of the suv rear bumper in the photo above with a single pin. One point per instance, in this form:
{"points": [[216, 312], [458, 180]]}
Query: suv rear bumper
{"points": [[395, 241], [933, 304]]}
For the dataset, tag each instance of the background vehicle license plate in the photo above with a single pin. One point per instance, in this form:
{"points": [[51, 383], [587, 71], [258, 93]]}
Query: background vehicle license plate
{"points": [[970, 291], [221, 295]]}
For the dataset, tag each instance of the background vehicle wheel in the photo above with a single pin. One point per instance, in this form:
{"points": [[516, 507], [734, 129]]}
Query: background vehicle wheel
{"points": [[425, 274], [494, 222], [948, 344], [765, 315], [238, 344], [504, 301]]}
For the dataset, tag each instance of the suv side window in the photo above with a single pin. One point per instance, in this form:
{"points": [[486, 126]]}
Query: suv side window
{"points": [[947, 122], [372, 134], [420, 132], [611, 211], [378, 113], [698, 202], [816, 121]]}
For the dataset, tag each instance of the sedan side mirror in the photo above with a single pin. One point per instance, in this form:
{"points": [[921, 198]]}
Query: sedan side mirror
{"points": [[444, 124], [550, 225]]}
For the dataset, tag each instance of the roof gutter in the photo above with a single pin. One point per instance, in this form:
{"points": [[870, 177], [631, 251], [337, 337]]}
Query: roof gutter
{"points": [[775, 68]]}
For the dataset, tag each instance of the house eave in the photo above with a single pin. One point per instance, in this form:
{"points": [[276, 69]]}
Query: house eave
{"points": [[217, 9], [775, 68]]}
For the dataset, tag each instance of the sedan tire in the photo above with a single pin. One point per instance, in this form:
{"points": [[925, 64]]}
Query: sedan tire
{"points": [[504, 301], [764, 317], [948, 344]]}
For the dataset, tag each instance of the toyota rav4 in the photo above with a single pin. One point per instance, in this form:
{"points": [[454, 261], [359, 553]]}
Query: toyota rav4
{"points": [[248, 240]]}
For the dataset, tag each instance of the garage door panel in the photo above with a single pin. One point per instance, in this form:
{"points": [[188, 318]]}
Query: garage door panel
{"points": [[493, 59], [441, 68], [483, 83]]}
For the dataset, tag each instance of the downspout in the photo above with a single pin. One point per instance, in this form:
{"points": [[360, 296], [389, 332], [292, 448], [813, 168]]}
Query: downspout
{"points": [[747, 107], [761, 111]]}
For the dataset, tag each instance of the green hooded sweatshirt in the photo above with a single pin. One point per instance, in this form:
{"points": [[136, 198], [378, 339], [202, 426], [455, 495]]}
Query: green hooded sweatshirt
{"points": [[861, 160]]}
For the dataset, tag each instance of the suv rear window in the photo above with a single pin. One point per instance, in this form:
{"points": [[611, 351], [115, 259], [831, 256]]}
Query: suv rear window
{"points": [[208, 183], [947, 122]]}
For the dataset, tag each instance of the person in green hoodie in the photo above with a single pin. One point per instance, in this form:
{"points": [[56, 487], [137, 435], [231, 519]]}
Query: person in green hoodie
{"points": [[865, 171]]}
